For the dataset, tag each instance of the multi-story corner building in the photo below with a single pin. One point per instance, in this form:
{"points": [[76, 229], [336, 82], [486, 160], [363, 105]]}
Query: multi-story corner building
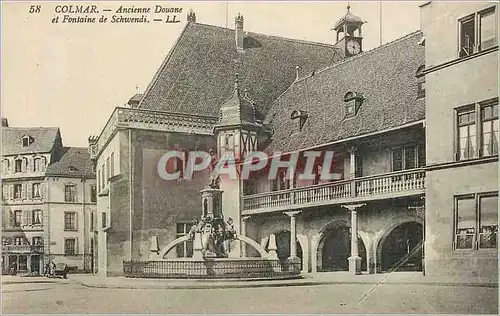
{"points": [[33, 159], [461, 76], [71, 206], [227, 90]]}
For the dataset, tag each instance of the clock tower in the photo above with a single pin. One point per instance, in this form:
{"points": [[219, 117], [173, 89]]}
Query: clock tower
{"points": [[349, 36]]}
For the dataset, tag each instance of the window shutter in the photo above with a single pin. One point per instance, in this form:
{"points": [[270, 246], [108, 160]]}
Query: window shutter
{"points": [[12, 216], [42, 190], [29, 220], [29, 187], [11, 192], [26, 216], [23, 191], [5, 192]]}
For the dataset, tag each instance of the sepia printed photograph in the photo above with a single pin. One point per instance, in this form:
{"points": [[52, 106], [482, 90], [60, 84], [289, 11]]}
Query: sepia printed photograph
{"points": [[258, 157]]}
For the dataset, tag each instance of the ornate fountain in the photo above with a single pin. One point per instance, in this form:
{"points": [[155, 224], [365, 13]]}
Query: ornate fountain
{"points": [[212, 236]]}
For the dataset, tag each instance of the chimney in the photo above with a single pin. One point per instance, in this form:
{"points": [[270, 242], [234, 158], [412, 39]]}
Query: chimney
{"points": [[191, 17], [238, 26], [5, 122]]}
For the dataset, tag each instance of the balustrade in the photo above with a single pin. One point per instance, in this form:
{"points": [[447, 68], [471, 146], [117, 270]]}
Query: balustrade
{"points": [[394, 182]]}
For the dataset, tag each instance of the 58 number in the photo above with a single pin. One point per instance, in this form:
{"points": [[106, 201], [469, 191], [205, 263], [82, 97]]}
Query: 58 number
{"points": [[35, 9]]}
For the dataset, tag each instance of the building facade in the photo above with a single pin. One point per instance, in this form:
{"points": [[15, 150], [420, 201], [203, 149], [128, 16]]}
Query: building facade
{"points": [[461, 76], [71, 207], [365, 109], [29, 232]]}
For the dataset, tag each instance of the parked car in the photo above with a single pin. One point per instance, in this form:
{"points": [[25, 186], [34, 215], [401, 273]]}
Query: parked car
{"points": [[61, 270]]}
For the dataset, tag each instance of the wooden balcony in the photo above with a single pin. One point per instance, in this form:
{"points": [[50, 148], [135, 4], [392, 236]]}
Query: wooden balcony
{"points": [[377, 187], [22, 248]]}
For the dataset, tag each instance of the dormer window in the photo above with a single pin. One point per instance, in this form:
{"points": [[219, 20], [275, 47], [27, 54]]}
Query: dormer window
{"points": [[353, 102], [27, 140], [420, 82], [72, 169], [299, 118]]}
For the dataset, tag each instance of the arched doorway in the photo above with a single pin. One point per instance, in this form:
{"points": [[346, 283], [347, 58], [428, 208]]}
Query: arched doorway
{"points": [[283, 246], [401, 250], [335, 250]]}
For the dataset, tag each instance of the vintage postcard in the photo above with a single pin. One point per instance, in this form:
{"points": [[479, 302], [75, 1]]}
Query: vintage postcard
{"points": [[249, 157]]}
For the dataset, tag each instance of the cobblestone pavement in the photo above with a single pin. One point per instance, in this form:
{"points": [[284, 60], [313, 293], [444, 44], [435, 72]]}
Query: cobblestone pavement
{"points": [[71, 297]]}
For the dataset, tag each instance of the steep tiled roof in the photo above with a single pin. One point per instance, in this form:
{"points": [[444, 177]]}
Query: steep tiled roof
{"points": [[44, 139], [386, 78], [198, 74], [73, 162]]}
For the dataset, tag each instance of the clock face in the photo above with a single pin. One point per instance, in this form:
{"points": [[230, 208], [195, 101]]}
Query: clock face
{"points": [[353, 47]]}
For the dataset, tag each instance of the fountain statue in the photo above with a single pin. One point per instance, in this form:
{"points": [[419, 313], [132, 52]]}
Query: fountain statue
{"points": [[212, 236]]}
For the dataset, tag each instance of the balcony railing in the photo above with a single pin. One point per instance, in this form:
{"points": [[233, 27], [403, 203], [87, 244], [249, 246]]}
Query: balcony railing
{"points": [[22, 248], [379, 186]]}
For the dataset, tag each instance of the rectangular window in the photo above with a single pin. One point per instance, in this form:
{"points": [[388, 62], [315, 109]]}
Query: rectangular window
{"points": [[18, 189], [37, 241], [477, 135], [476, 221], [69, 221], [397, 159], [488, 221], [103, 182], [108, 166], [104, 220], [488, 29], [35, 192], [93, 194], [406, 158], [91, 222], [466, 133], [478, 32], [18, 165], [465, 223], [70, 246], [421, 155], [358, 171], [36, 217], [467, 31], [18, 241], [99, 179], [185, 249], [489, 130], [112, 164], [70, 193], [18, 218]]}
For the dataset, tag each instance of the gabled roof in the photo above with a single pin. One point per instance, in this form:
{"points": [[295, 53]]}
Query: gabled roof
{"points": [[385, 76], [73, 162], [43, 138], [197, 76]]}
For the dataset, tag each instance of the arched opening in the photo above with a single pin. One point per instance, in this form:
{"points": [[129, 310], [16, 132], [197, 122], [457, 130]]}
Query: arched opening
{"points": [[283, 246], [335, 249], [401, 250]]}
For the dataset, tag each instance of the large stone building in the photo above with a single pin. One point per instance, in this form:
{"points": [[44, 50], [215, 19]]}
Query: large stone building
{"points": [[235, 91], [46, 191]]}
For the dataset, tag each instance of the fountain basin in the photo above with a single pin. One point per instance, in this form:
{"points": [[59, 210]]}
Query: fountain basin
{"points": [[213, 268]]}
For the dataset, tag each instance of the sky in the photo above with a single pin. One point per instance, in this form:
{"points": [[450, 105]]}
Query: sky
{"points": [[72, 76]]}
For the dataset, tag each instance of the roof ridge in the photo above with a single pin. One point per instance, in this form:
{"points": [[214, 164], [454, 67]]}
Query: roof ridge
{"points": [[30, 127], [275, 36], [399, 39]]}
